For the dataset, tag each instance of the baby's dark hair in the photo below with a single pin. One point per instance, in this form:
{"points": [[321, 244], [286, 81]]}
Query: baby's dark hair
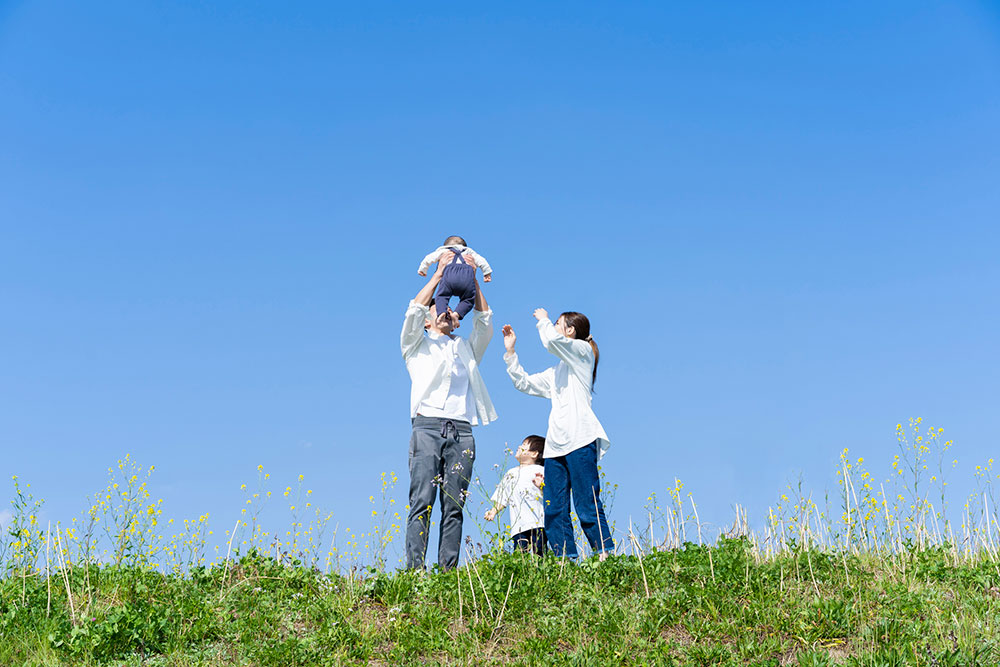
{"points": [[536, 445], [455, 240]]}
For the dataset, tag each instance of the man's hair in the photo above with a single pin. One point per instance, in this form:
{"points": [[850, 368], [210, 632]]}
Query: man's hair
{"points": [[455, 240], [536, 445]]}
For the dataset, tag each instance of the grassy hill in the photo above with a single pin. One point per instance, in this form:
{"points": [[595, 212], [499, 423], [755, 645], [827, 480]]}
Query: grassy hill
{"points": [[880, 576], [694, 605]]}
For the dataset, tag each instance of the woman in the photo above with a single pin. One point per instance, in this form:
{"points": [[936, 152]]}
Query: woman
{"points": [[575, 439]]}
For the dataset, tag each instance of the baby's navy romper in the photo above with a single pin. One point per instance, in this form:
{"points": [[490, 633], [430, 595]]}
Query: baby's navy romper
{"points": [[457, 279]]}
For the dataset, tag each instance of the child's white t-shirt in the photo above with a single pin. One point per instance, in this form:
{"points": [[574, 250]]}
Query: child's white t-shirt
{"points": [[517, 490]]}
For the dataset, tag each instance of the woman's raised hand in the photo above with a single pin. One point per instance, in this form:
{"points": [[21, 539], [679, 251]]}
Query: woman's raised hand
{"points": [[509, 337], [541, 314]]}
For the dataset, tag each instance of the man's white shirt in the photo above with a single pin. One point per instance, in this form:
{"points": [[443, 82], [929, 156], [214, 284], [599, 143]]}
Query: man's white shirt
{"points": [[517, 490], [459, 403], [436, 387]]}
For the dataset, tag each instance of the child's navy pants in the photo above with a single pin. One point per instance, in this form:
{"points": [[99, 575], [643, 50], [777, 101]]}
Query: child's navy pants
{"points": [[457, 279], [531, 541]]}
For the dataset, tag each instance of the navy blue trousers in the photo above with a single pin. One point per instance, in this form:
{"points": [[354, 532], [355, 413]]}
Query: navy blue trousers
{"points": [[457, 279], [575, 472], [531, 540]]}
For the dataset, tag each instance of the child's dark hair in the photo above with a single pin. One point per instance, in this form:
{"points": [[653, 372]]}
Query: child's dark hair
{"points": [[581, 326], [536, 445], [455, 240]]}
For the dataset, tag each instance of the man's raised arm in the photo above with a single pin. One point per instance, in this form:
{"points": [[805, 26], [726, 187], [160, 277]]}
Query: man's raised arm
{"points": [[482, 325], [426, 292], [481, 304], [416, 314]]}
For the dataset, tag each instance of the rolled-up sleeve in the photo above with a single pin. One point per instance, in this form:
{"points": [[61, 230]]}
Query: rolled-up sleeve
{"points": [[539, 384], [566, 349], [482, 332], [578, 354], [413, 328]]}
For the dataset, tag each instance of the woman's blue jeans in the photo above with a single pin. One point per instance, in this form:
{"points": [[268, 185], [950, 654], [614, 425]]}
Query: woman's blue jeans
{"points": [[576, 472]]}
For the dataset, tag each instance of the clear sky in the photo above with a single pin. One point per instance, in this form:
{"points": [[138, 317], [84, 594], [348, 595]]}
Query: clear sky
{"points": [[781, 219]]}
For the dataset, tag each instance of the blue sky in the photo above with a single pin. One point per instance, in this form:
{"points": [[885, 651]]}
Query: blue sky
{"points": [[780, 218]]}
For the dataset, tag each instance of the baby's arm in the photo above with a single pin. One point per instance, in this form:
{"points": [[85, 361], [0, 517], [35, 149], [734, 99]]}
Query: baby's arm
{"points": [[428, 260], [482, 264]]}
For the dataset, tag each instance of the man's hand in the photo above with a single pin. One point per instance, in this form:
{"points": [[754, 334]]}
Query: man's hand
{"points": [[488, 278], [490, 514], [426, 293], [509, 338], [443, 260], [541, 314]]}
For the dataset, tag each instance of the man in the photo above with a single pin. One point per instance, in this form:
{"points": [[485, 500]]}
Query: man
{"points": [[447, 398]]}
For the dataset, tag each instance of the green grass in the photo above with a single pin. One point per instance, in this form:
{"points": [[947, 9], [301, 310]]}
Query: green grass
{"points": [[733, 608]]}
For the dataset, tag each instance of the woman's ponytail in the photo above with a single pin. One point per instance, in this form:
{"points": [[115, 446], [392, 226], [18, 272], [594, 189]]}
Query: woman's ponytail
{"points": [[581, 327], [597, 358]]}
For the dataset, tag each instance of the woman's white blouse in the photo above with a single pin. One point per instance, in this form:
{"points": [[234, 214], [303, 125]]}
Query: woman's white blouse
{"points": [[572, 422]]}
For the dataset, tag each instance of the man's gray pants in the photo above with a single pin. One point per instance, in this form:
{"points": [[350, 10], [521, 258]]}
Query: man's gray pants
{"points": [[441, 455]]}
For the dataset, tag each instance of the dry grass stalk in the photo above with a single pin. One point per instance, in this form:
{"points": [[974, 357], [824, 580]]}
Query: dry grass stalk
{"points": [[503, 607], [597, 513], [48, 572], [638, 551], [697, 521], [847, 501], [811, 573], [69, 593], [225, 568], [481, 584], [472, 588], [458, 577]]}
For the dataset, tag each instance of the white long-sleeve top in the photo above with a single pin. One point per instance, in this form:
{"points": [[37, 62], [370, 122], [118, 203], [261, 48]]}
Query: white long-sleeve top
{"points": [[569, 385], [430, 361], [434, 256], [517, 490]]}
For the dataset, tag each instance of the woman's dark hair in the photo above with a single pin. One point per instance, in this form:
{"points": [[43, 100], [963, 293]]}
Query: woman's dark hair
{"points": [[536, 445], [581, 327]]}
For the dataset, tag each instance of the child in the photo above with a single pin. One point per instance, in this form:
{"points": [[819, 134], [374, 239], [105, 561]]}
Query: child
{"points": [[519, 490], [575, 439], [458, 279]]}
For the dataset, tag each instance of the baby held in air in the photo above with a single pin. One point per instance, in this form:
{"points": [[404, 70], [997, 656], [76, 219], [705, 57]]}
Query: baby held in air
{"points": [[458, 278]]}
